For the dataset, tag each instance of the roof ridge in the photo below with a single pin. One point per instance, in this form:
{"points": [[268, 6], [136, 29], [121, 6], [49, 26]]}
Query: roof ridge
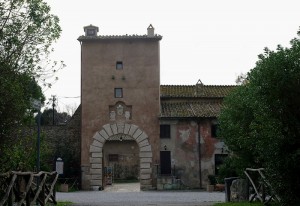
{"points": [[208, 85], [123, 36], [176, 85]]}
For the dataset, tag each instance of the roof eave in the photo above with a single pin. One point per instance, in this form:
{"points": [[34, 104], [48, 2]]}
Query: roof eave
{"points": [[121, 37]]}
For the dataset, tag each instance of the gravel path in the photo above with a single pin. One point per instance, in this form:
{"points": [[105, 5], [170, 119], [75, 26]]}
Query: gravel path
{"points": [[127, 196]]}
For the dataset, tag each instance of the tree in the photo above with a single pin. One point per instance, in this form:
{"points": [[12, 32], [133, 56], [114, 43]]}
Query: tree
{"points": [[241, 79], [59, 117], [260, 120], [27, 30], [16, 91]]}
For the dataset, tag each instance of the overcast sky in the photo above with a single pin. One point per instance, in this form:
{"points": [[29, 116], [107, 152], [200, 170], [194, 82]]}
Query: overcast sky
{"points": [[211, 40]]}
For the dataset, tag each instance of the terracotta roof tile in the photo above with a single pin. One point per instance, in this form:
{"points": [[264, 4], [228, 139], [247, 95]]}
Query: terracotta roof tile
{"points": [[192, 101], [198, 90], [190, 109]]}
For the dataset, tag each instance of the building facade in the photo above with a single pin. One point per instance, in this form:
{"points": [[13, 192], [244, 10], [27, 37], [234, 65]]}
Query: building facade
{"points": [[134, 128]]}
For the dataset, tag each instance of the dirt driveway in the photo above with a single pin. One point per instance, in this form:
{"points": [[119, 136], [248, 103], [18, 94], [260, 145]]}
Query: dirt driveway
{"points": [[130, 195]]}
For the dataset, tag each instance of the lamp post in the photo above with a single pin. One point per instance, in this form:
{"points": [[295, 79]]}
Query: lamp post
{"points": [[36, 104], [38, 141]]}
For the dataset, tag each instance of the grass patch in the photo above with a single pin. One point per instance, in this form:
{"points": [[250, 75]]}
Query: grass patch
{"points": [[243, 204], [238, 204], [65, 203], [60, 203]]}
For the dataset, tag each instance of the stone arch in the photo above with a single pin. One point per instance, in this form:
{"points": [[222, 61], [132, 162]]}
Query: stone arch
{"points": [[96, 153]]}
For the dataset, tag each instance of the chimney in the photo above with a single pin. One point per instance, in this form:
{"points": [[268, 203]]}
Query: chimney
{"points": [[91, 30], [150, 31]]}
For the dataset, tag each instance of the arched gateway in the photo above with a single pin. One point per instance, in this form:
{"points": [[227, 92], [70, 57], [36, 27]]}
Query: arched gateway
{"points": [[110, 131]]}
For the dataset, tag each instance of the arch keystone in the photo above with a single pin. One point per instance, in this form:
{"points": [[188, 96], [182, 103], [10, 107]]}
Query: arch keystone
{"points": [[120, 128], [114, 129]]}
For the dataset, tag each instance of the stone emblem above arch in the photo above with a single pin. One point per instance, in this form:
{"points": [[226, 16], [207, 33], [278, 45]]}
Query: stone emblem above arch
{"points": [[112, 131], [120, 113]]}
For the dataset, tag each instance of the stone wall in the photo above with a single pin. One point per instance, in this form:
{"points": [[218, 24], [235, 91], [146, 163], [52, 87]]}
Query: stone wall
{"points": [[64, 142]]}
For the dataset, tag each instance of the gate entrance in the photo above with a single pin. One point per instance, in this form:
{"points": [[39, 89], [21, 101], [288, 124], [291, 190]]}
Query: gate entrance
{"points": [[119, 133], [121, 162]]}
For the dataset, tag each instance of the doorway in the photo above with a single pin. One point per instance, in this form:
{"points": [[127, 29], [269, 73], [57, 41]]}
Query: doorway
{"points": [[121, 162], [165, 162]]}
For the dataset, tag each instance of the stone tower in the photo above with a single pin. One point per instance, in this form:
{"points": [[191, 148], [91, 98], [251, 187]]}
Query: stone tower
{"points": [[120, 85]]}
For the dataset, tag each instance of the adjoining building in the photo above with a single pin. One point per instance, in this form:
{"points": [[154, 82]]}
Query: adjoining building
{"points": [[133, 127]]}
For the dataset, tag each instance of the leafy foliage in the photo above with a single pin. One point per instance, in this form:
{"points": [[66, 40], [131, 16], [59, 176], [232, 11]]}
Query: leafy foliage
{"points": [[21, 153], [16, 91], [27, 30], [59, 117], [260, 121], [242, 204]]}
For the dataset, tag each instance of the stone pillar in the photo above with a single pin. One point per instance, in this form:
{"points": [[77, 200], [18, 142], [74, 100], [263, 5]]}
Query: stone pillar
{"points": [[238, 190]]}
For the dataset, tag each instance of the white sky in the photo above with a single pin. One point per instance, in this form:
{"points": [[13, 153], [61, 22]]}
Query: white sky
{"points": [[211, 40]]}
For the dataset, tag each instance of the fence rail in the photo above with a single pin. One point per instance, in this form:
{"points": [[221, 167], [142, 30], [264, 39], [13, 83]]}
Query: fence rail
{"points": [[27, 188], [261, 186]]}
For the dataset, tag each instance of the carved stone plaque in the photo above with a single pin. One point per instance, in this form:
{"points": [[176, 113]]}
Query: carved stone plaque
{"points": [[120, 112]]}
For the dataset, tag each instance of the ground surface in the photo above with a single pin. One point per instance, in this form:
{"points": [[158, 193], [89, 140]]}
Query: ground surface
{"points": [[130, 195]]}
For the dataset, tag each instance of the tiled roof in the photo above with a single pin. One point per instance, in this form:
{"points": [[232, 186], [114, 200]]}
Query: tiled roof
{"points": [[192, 101], [106, 37], [198, 90], [190, 109]]}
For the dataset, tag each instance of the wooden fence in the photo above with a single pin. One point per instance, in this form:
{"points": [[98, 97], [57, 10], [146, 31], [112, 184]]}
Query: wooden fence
{"points": [[27, 188], [262, 189]]}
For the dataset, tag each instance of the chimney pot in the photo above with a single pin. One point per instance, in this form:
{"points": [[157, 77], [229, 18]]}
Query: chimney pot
{"points": [[150, 31], [91, 30]]}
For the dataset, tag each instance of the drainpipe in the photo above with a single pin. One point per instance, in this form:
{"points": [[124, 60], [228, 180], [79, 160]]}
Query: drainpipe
{"points": [[199, 145], [199, 149]]}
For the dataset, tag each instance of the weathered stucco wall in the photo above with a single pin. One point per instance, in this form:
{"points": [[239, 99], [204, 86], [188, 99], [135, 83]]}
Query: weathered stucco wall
{"points": [[184, 147]]}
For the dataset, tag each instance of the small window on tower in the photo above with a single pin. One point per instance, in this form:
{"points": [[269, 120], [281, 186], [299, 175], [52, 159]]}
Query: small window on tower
{"points": [[165, 131], [119, 65], [118, 92], [91, 32]]}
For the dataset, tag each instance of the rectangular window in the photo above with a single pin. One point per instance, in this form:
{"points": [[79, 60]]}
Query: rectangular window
{"points": [[118, 92], [113, 157], [119, 65], [90, 32], [214, 130], [165, 131]]}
